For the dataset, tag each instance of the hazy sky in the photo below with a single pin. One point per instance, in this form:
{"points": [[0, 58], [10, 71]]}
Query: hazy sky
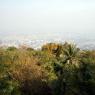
{"points": [[47, 16]]}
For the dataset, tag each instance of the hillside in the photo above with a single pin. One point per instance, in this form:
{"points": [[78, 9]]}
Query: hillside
{"points": [[55, 69]]}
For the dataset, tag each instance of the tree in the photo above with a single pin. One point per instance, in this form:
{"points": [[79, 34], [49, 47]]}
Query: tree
{"points": [[70, 53], [66, 70], [52, 48], [86, 76]]}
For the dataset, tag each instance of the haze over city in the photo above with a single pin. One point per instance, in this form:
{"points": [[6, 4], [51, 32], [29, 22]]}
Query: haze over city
{"points": [[46, 19]]}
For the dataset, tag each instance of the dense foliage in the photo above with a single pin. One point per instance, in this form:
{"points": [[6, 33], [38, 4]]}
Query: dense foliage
{"points": [[55, 69]]}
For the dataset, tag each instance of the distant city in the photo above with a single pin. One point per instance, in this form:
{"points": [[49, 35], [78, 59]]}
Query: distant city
{"points": [[36, 40]]}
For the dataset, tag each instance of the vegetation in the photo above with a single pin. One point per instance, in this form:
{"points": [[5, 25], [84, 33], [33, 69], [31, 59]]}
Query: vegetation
{"points": [[55, 69]]}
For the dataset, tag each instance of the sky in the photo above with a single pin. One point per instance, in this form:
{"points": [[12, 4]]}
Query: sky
{"points": [[47, 16]]}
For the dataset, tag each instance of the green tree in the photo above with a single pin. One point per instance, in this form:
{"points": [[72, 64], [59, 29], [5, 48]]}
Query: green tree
{"points": [[70, 53]]}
